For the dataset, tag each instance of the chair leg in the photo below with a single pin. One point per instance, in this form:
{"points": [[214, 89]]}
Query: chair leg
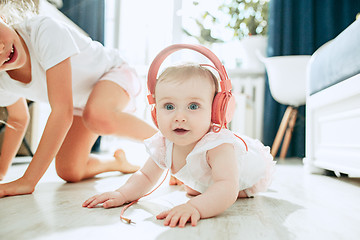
{"points": [[281, 131], [288, 133]]}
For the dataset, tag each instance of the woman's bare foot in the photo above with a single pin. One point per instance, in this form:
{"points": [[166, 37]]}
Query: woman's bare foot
{"points": [[124, 165]]}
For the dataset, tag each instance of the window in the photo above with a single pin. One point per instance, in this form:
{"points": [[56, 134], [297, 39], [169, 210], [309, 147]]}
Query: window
{"points": [[139, 29]]}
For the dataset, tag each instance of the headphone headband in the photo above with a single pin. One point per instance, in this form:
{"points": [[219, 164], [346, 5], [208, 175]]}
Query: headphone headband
{"points": [[223, 105], [225, 83]]}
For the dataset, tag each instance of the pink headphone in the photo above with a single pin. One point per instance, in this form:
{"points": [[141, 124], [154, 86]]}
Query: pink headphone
{"points": [[223, 106]]}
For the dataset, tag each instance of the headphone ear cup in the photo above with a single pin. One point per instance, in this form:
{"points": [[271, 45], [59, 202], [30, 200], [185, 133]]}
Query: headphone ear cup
{"points": [[230, 108], [153, 115], [215, 114], [223, 108]]}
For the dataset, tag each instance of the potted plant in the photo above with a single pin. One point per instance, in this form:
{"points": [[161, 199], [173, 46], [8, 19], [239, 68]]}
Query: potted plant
{"points": [[247, 22], [246, 17]]}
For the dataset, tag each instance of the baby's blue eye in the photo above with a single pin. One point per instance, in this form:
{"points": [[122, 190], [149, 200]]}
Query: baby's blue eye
{"points": [[193, 106], [169, 106]]}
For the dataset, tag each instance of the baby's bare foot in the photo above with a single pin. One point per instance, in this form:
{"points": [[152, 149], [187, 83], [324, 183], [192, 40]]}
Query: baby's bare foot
{"points": [[124, 165], [242, 194], [175, 181]]}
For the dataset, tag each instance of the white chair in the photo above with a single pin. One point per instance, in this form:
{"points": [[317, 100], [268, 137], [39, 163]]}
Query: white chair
{"points": [[287, 79]]}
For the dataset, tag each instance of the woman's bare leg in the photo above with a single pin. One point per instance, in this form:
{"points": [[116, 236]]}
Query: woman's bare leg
{"points": [[73, 161], [102, 116]]}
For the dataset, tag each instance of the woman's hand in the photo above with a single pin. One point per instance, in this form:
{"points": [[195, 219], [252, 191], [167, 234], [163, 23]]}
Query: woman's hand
{"points": [[180, 215], [108, 199], [18, 187]]}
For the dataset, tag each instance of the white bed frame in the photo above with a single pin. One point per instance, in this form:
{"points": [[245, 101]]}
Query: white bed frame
{"points": [[333, 129]]}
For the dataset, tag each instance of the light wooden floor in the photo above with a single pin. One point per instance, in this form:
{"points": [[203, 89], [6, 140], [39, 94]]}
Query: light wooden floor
{"points": [[297, 206]]}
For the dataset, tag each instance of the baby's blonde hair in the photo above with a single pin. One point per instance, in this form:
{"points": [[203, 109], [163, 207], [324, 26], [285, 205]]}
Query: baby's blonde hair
{"points": [[16, 11], [183, 72]]}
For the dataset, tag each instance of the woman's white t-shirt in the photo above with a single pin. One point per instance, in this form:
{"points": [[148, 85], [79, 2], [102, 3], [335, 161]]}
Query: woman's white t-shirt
{"points": [[50, 42]]}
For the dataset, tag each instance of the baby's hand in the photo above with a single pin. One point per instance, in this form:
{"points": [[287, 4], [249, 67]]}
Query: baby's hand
{"points": [[108, 199], [180, 215]]}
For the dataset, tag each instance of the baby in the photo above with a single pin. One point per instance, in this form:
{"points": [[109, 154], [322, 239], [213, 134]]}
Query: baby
{"points": [[216, 167]]}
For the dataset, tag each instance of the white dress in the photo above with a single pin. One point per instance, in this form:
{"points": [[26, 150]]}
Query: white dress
{"points": [[255, 165]]}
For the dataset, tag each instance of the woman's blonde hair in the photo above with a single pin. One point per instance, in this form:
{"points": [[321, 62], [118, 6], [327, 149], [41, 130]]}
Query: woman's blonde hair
{"points": [[16, 11], [186, 71]]}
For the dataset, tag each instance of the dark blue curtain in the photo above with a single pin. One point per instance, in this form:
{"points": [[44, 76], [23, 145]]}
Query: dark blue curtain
{"points": [[298, 27], [89, 16]]}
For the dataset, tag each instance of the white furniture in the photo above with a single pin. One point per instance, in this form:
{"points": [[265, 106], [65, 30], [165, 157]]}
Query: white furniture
{"points": [[333, 105], [248, 89], [332, 128], [287, 77]]}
